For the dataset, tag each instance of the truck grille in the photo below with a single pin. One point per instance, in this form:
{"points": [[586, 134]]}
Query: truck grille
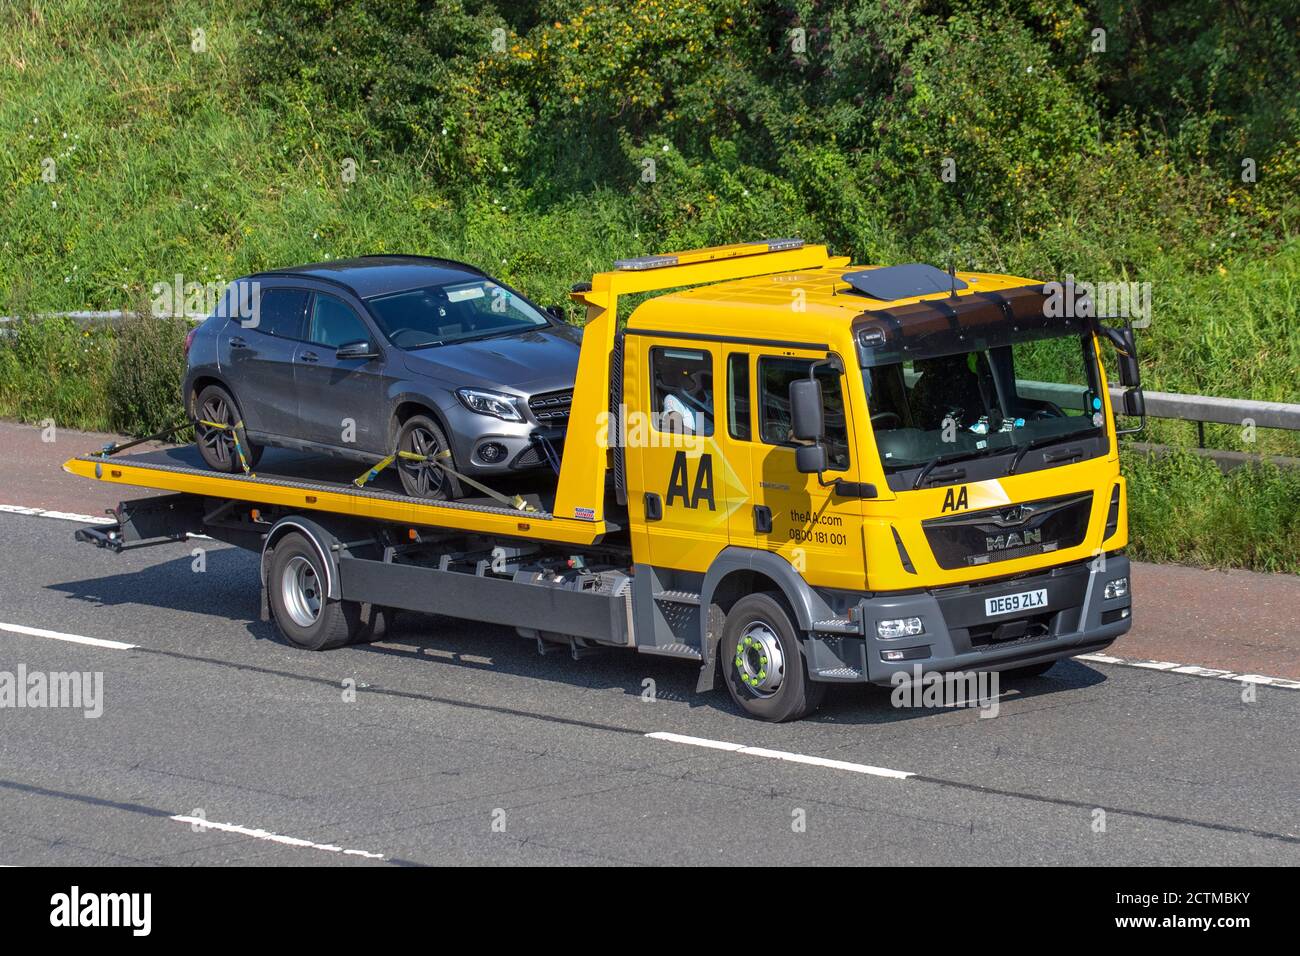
{"points": [[1010, 531], [552, 408]]}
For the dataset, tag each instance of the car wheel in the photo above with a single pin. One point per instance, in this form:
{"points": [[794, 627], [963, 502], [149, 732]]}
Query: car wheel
{"points": [[304, 612], [762, 662], [217, 445], [424, 479]]}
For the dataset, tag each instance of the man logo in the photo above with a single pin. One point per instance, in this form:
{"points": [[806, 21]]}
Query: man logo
{"points": [[1005, 542]]}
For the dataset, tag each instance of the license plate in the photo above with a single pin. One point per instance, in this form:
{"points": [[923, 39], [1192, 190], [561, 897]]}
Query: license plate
{"points": [[1011, 603]]}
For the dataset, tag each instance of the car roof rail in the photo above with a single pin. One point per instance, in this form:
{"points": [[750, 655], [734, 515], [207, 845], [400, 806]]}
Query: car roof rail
{"points": [[412, 255]]}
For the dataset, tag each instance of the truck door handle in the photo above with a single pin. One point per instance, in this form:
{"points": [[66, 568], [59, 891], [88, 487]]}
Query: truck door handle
{"points": [[309, 357], [762, 519], [654, 507], [238, 343]]}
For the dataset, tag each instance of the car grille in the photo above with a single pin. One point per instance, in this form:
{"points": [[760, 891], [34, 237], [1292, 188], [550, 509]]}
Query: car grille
{"points": [[552, 408], [1010, 531]]}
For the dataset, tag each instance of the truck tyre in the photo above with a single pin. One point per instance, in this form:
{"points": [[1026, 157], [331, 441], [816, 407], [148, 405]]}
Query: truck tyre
{"points": [[423, 436], [215, 404], [763, 663], [305, 615]]}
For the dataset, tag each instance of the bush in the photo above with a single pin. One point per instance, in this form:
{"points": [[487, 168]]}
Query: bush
{"points": [[148, 365], [54, 369]]}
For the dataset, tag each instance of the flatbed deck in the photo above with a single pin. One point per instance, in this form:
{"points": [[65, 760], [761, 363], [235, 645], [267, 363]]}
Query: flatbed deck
{"points": [[317, 483]]}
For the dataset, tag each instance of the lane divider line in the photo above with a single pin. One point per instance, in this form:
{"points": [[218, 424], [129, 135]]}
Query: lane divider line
{"points": [[60, 515], [781, 755], [259, 834], [1194, 670], [70, 638]]}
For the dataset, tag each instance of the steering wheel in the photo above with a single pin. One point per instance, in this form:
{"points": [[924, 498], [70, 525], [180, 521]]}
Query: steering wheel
{"points": [[898, 419]]}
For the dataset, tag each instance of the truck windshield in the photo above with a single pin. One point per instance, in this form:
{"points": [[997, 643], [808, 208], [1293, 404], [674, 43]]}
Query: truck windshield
{"points": [[996, 399], [440, 314]]}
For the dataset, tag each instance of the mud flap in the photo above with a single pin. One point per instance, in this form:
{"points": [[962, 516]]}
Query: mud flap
{"points": [[709, 652]]}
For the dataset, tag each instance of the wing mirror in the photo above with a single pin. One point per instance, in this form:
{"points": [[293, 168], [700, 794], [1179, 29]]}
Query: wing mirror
{"points": [[806, 419], [1130, 374], [355, 350]]}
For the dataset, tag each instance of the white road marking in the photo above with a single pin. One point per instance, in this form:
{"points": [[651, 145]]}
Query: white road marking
{"points": [[60, 515], [70, 638], [1195, 670], [782, 755], [70, 516], [258, 834]]}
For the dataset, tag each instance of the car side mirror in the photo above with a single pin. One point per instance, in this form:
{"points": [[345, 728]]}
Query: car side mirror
{"points": [[806, 420], [355, 350], [810, 459], [558, 312], [1135, 403]]}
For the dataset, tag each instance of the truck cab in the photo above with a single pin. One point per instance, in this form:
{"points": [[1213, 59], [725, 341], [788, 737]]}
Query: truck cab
{"points": [[919, 469]]}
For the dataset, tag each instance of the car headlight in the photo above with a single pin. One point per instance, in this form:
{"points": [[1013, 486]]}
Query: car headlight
{"points": [[1115, 589], [900, 627], [496, 404]]}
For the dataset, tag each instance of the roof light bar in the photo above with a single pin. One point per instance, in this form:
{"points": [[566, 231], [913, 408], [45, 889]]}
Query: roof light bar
{"points": [[708, 254]]}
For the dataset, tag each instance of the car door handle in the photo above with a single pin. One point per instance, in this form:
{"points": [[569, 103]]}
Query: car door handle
{"points": [[309, 357], [762, 519], [238, 343], [654, 507]]}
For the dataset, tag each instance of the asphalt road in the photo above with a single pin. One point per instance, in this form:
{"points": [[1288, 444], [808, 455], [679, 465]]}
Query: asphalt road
{"points": [[463, 745]]}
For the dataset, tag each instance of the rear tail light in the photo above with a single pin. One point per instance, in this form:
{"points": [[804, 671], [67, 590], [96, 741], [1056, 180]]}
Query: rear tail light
{"points": [[189, 340]]}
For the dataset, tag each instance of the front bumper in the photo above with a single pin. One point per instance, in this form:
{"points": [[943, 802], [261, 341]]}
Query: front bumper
{"points": [[958, 636]]}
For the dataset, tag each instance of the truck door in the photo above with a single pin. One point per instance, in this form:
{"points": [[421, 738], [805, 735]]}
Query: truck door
{"points": [[819, 532], [688, 464]]}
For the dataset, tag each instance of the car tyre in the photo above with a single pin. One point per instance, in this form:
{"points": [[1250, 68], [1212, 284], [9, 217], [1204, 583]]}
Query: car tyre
{"points": [[423, 436], [216, 445]]}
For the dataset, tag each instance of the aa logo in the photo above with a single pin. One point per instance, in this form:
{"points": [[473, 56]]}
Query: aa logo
{"points": [[956, 501], [691, 492]]}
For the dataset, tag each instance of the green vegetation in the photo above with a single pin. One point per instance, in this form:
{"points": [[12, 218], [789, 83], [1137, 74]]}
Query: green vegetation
{"points": [[520, 136]]}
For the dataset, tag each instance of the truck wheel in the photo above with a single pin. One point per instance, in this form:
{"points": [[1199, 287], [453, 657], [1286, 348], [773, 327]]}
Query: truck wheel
{"points": [[304, 614], [762, 661], [420, 479], [216, 445]]}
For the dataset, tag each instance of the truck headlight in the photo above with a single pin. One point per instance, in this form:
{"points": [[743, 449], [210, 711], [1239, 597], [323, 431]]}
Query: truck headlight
{"points": [[1115, 589], [485, 402], [900, 627]]}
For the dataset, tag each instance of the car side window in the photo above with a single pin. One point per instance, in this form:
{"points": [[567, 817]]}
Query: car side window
{"points": [[682, 390], [774, 422], [280, 313], [333, 323]]}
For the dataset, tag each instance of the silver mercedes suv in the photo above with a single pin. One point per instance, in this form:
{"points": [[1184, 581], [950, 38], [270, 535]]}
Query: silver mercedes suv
{"points": [[362, 358]]}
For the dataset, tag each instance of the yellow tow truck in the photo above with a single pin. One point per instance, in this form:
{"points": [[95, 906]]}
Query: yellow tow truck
{"points": [[787, 469]]}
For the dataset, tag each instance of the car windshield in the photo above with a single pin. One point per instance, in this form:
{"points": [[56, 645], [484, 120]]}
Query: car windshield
{"points": [[985, 401], [459, 312]]}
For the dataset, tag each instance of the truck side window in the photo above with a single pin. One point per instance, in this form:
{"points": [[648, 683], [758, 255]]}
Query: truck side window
{"points": [[774, 378], [681, 382], [738, 397]]}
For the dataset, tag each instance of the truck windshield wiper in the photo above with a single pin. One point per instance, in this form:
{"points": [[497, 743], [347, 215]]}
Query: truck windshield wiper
{"points": [[957, 456], [1026, 448]]}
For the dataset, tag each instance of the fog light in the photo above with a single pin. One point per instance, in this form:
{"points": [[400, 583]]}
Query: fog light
{"points": [[492, 452], [892, 655], [900, 627], [1115, 589]]}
